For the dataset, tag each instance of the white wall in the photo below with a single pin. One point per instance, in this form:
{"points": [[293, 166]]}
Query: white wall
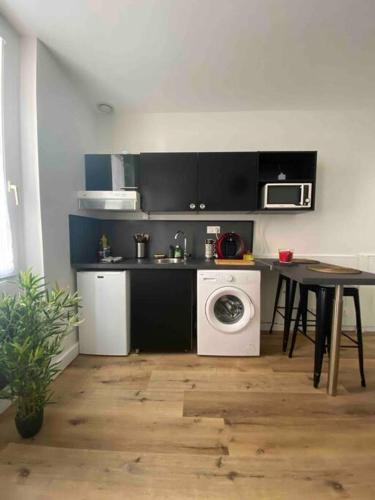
{"points": [[32, 234], [66, 131], [49, 126], [343, 224], [346, 161]]}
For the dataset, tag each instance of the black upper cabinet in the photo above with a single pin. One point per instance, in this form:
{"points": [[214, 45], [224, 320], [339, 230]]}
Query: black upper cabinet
{"points": [[191, 182], [296, 166], [198, 181], [287, 167], [168, 181], [98, 172], [227, 181], [110, 172]]}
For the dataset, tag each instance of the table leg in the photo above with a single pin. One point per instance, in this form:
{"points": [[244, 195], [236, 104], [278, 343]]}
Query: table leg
{"points": [[322, 318], [290, 294], [334, 357]]}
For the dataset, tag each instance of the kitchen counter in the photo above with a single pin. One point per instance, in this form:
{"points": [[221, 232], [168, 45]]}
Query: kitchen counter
{"points": [[302, 274], [190, 264]]}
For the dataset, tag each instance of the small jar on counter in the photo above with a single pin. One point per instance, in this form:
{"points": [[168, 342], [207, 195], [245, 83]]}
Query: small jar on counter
{"points": [[178, 252], [209, 249]]}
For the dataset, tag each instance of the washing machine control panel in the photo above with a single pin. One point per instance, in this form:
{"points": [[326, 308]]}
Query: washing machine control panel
{"points": [[225, 277]]}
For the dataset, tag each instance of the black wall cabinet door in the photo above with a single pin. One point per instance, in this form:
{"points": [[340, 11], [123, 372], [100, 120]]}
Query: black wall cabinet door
{"points": [[162, 310], [227, 181], [98, 172], [168, 181], [104, 172]]}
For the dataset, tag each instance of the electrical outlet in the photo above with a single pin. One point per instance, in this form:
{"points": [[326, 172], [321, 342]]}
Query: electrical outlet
{"points": [[213, 229]]}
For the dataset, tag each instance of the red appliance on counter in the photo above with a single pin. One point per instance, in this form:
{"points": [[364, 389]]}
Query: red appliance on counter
{"points": [[230, 246]]}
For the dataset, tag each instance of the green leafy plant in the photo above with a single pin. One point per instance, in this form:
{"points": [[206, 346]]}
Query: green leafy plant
{"points": [[33, 324]]}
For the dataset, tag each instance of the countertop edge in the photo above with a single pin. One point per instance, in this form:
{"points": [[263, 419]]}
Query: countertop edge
{"points": [[190, 265], [298, 273]]}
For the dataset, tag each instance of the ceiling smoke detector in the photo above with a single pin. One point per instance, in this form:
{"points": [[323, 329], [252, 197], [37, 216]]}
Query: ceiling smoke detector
{"points": [[105, 108]]}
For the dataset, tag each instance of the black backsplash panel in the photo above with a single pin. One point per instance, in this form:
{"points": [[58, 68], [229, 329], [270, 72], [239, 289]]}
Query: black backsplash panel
{"points": [[120, 235], [84, 234]]}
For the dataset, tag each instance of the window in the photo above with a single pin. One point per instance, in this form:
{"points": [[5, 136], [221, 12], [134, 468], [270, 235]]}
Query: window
{"points": [[7, 266]]}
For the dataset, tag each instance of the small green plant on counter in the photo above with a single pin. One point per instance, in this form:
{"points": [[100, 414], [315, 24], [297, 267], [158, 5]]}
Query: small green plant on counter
{"points": [[33, 324]]}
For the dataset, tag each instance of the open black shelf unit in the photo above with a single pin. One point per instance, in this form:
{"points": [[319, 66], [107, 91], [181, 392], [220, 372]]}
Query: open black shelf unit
{"points": [[297, 166]]}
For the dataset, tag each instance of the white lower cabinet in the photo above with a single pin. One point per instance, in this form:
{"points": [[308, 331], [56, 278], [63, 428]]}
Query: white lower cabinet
{"points": [[105, 311]]}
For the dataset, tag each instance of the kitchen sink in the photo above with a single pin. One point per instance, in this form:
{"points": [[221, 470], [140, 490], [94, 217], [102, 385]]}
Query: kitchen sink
{"points": [[169, 261]]}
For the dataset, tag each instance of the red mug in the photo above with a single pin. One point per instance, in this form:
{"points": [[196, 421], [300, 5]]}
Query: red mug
{"points": [[285, 255]]}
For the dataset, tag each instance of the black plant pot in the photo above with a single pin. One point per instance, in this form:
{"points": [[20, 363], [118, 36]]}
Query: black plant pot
{"points": [[29, 426]]}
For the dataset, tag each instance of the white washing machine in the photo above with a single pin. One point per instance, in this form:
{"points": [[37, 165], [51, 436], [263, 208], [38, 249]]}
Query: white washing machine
{"points": [[228, 309]]}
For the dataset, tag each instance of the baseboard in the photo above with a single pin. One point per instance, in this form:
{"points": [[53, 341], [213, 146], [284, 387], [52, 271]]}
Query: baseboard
{"points": [[66, 357], [266, 325], [4, 404], [64, 360]]}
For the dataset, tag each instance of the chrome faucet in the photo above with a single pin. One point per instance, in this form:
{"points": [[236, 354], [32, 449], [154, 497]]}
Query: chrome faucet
{"points": [[176, 236]]}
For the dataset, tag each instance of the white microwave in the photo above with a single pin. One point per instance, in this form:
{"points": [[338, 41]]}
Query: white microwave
{"points": [[287, 195]]}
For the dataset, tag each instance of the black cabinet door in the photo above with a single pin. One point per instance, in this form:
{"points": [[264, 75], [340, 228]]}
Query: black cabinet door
{"points": [[227, 181], [98, 172], [104, 172], [168, 181], [162, 310]]}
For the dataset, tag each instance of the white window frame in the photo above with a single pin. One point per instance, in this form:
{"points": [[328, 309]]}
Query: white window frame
{"points": [[10, 167], [7, 262]]}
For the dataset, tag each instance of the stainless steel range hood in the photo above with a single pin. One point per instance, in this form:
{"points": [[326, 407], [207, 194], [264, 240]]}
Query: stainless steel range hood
{"points": [[128, 201]]}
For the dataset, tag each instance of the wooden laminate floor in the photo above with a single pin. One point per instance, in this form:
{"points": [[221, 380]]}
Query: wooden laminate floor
{"points": [[182, 426]]}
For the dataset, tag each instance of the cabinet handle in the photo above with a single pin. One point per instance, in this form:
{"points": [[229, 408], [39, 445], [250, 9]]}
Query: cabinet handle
{"points": [[202, 206], [192, 206]]}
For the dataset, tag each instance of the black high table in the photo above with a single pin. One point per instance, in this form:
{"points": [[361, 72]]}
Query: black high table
{"points": [[301, 274]]}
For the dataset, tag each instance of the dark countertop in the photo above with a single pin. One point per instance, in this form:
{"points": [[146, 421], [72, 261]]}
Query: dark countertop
{"points": [[298, 272], [301, 274], [190, 264]]}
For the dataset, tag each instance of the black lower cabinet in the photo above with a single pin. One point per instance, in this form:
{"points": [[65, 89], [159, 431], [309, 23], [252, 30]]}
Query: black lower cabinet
{"points": [[162, 310]]}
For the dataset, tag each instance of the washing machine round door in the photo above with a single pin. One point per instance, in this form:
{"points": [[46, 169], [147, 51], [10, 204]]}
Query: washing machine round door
{"points": [[229, 309]]}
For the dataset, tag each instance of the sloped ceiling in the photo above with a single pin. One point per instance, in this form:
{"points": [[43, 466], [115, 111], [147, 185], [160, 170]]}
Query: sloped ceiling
{"points": [[211, 55]]}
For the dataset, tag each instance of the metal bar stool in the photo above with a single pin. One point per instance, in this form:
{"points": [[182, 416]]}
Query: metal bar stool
{"points": [[286, 311], [324, 309]]}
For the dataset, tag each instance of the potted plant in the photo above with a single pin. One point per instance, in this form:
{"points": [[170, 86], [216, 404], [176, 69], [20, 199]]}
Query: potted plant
{"points": [[33, 324]]}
